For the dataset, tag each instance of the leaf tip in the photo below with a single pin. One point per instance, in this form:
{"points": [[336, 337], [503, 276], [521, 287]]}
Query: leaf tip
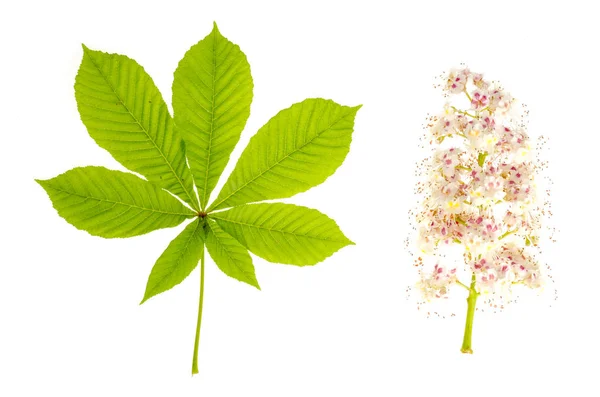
{"points": [[147, 295], [215, 27], [253, 281], [354, 110], [42, 182]]}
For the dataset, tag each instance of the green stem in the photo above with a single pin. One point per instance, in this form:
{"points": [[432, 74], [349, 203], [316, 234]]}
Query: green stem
{"points": [[474, 116], [471, 302], [467, 94], [197, 341], [462, 285]]}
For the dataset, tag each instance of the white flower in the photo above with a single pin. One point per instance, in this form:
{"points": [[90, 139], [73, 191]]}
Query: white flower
{"points": [[452, 206], [523, 154], [444, 193], [489, 143], [447, 160], [425, 243], [477, 246], [457, 80], [479, 82], [479, 100], [436, 284]]}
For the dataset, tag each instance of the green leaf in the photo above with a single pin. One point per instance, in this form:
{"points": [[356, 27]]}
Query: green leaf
{"points": [[178, 260], [212, 92], [283, 233], [297, 149], [125, 114], [111, 204], [229, 255]]}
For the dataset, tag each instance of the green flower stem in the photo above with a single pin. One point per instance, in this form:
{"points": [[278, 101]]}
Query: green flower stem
{"points": [[200, 302], [471, 303], [462, 285]]}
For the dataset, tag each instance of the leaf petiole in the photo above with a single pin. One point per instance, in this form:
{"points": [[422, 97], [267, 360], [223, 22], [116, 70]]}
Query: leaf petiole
{"points": [[199, 323]]}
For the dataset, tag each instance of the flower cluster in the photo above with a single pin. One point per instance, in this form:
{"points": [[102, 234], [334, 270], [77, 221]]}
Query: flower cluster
{"points": [[479, 190]]}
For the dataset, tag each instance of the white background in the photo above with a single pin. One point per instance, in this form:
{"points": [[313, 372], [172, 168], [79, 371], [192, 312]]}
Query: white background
{"points": [[70, 323]]}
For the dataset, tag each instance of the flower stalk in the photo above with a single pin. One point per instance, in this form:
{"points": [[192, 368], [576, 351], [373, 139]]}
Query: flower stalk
{"points": [[471, 304]]}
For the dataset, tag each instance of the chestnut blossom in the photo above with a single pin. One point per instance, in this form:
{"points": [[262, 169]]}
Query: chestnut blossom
{"points": [[457, 80], [479, 191], [480, 100], [435, 285]]}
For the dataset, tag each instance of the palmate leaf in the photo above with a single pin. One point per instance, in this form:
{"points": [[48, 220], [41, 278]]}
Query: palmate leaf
{"points": [[229, 255], [297, 149], [178, 260], [111, 204], [125, 114], [283, 233], [212, 92]]}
